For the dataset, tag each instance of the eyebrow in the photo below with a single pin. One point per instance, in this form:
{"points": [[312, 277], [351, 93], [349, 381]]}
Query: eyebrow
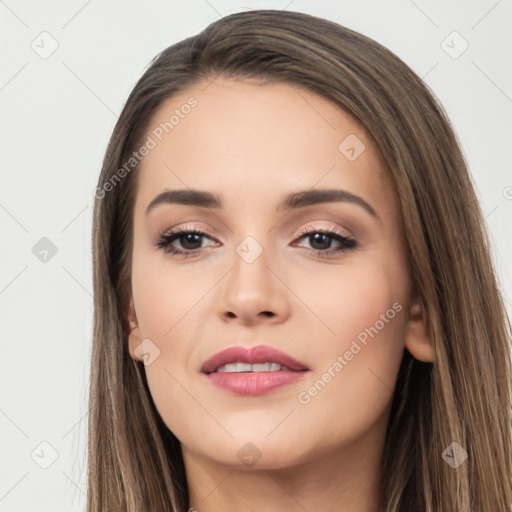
{"points": [[294, 200]]}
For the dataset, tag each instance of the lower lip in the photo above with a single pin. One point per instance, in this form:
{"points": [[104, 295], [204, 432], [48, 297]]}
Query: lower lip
{"points": [[254, 383]]}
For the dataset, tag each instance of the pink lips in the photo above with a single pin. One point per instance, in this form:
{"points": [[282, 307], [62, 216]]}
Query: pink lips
{"points": [[253, 383]]}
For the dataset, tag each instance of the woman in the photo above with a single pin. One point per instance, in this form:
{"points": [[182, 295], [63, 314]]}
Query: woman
{"points": [[295, 306]]}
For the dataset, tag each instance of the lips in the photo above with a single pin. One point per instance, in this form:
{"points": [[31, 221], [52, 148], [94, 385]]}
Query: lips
{"points": [[254, 355], [246, 373]]}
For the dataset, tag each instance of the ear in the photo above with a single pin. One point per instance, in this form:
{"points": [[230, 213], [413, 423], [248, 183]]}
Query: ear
{"points": [[134, 337], [417, 339]]}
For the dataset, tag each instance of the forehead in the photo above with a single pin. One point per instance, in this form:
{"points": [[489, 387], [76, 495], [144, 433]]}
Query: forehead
{"points": [[252, 141]]}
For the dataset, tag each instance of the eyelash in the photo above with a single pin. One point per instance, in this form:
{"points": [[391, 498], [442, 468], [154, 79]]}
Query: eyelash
{"points": [[165, 240]]}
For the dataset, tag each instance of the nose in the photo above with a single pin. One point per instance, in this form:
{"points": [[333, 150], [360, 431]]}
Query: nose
{"points": [[253, 292]]}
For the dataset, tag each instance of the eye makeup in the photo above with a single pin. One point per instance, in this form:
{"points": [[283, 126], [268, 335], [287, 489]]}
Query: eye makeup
{"points": [[314, 235]]}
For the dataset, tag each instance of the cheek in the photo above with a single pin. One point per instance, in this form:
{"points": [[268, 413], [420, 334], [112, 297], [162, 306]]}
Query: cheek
{"points": [[342, 303], [165, 298], [168, 302], [354, 383]]}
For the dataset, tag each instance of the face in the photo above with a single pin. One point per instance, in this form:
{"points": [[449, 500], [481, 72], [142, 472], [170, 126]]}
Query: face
{"points": [[322, 280]]}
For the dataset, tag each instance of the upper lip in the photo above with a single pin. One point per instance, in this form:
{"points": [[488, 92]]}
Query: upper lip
{"points": [[252, 355]]}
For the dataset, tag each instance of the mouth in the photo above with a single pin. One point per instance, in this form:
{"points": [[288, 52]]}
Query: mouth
{"points": [[252, 371], [251, 368]]}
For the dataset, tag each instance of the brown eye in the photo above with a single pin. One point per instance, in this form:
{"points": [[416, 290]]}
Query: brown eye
{"points": [[189, 239], [321, 240]]}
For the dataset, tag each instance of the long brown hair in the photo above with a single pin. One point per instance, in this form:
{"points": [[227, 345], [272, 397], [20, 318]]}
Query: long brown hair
{"points": [[135, 462]]}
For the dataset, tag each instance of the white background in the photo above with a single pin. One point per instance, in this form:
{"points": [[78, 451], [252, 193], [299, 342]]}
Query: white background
{"points": [[57, 116]]}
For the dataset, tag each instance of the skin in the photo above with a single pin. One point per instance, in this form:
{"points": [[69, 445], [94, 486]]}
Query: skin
{"points": [[253, 143]]}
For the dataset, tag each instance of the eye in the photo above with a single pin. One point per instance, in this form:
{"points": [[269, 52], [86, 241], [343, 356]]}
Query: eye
{"points": [[321, 240], [190, 240]]}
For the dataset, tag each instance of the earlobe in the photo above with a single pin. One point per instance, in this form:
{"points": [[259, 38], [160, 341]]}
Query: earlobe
{"points": [[417, 339], [134, 338]]}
